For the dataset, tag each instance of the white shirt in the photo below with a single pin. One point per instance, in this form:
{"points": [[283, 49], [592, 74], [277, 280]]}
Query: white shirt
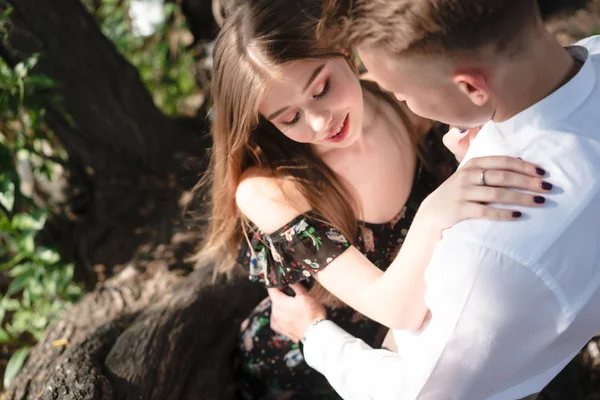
{"points": [[511, 302]]}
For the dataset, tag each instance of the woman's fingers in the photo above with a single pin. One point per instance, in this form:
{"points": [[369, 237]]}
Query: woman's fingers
{"points": [[486, 194], [483, 211], [458, 141], [508, 179], [506, 163]]}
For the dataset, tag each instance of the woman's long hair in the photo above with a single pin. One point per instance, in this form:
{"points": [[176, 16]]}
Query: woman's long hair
{"points": [[257, 38]]}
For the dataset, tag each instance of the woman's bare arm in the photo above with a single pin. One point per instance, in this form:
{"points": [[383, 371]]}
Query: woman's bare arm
{"points": [[396, 298]]}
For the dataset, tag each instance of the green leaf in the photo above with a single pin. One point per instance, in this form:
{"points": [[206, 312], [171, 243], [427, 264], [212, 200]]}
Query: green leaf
{"points": [[30, 222], [6, 227], [40, 82], [21, 322], [7, 193], [40, 322], [6, 13], [10, 304], [14, 365], [31, 62], [14, 261], [51, 285], [47, 256], [4, 336], [36, 290], [26, 243], [74, 293], [17, 284], [22, 269], [20, 70], [26, 301]]}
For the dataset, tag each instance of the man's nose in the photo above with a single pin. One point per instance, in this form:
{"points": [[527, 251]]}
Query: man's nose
{"points": [[319, 119]]}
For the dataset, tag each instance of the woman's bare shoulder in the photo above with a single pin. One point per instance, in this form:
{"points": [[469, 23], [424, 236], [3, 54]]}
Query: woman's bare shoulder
{"points": [[269, 201]]}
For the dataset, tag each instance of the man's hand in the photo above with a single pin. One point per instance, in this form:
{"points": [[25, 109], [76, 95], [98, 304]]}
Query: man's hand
{"points": [[292, 316]]}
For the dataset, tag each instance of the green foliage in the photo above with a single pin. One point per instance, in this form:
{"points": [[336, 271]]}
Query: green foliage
{"points": [[40, 285], [15, 364], [164, 63]]}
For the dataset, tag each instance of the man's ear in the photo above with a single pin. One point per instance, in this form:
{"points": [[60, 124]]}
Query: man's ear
{"points": [[474, 86]]}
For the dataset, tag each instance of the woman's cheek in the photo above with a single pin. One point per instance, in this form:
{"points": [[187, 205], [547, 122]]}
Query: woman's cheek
{"points": [[298, 134], [346, 96]]}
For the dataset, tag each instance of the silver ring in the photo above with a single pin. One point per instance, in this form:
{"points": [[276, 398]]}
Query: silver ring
{"points": [[482, 178]]}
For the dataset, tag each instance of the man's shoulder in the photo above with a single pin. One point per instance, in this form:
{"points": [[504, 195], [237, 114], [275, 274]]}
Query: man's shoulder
{"points": [[570, 215], [592, 44]]}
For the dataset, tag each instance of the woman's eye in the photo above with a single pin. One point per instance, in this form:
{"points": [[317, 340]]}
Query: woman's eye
{"points": [[324, 91], [293, 121]]}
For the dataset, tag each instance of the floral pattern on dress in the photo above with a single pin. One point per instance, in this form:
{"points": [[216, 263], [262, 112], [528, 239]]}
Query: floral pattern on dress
{"points": [[273, 366], [293, 253]]}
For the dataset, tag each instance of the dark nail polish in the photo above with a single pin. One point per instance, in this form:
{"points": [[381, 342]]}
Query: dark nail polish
{"points": [[516, 214], [462, 130], [539, 200], [547, 186], [540, 171]]}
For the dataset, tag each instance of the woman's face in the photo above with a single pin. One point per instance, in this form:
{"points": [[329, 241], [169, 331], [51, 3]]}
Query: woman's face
{"points": [[316, 101]]}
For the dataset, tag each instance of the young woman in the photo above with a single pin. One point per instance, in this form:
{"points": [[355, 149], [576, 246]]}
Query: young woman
{"points": [[316, 178]]}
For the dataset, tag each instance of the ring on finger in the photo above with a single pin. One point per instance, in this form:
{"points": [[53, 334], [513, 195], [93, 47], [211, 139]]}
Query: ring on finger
{"points": [[482, 178]]}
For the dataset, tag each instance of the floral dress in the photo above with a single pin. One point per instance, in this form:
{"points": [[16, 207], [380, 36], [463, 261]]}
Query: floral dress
{"points": [[272, 366]]}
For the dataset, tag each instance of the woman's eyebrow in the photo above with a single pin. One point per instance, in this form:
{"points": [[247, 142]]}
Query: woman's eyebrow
{"points": [[312, 78], [314, 75]]}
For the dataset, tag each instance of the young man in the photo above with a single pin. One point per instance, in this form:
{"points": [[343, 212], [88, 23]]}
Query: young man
{"points": [[511, 303]]}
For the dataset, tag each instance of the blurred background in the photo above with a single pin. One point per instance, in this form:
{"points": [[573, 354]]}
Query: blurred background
{"points": [[104, 132]]}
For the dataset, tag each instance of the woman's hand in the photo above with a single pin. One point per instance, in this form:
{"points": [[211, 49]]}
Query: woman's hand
{"points": [[459, 140], [468, 192]]}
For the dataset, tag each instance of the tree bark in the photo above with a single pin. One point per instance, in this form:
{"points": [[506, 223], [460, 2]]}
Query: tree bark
{"points": [[129, 165], [151, 332], [162, 337]]}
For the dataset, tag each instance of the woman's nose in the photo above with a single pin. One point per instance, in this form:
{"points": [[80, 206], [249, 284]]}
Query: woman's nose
{"points": [[400, 96], [319, 120]]}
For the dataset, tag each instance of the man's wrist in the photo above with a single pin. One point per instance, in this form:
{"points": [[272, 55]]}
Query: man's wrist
{"points": [[310, 328]]}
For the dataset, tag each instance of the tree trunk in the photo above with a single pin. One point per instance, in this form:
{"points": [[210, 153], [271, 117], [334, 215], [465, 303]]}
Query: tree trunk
{"points": [[129, 165], [155, 331], [164, 337]]}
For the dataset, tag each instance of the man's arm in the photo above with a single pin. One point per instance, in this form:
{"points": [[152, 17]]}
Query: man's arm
{"points": [[493, 321], [353, 368]]}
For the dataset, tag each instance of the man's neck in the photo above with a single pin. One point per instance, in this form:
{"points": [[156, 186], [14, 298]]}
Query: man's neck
{"points": [[544, 69]]}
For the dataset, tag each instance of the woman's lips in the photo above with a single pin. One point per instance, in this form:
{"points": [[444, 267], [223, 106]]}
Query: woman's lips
{"points": [[338, 137]]}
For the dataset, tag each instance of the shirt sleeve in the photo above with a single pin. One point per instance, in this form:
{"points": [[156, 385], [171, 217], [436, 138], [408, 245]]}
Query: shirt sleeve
{"points": [[493, 322]]}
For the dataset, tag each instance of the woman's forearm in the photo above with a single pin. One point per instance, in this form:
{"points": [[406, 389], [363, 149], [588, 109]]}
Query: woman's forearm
{"points": [[401, 289], [394, 298]]}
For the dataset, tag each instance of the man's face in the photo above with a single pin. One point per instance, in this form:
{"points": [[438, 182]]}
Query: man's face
{"points": [[430, 88]]}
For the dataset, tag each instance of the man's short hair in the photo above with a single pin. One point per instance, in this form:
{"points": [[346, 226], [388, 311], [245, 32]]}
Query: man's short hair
{"points": [[426, 26]]}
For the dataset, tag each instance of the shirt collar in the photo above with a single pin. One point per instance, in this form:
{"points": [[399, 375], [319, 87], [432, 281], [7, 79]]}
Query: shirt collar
{"points": [[560, 103]]}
